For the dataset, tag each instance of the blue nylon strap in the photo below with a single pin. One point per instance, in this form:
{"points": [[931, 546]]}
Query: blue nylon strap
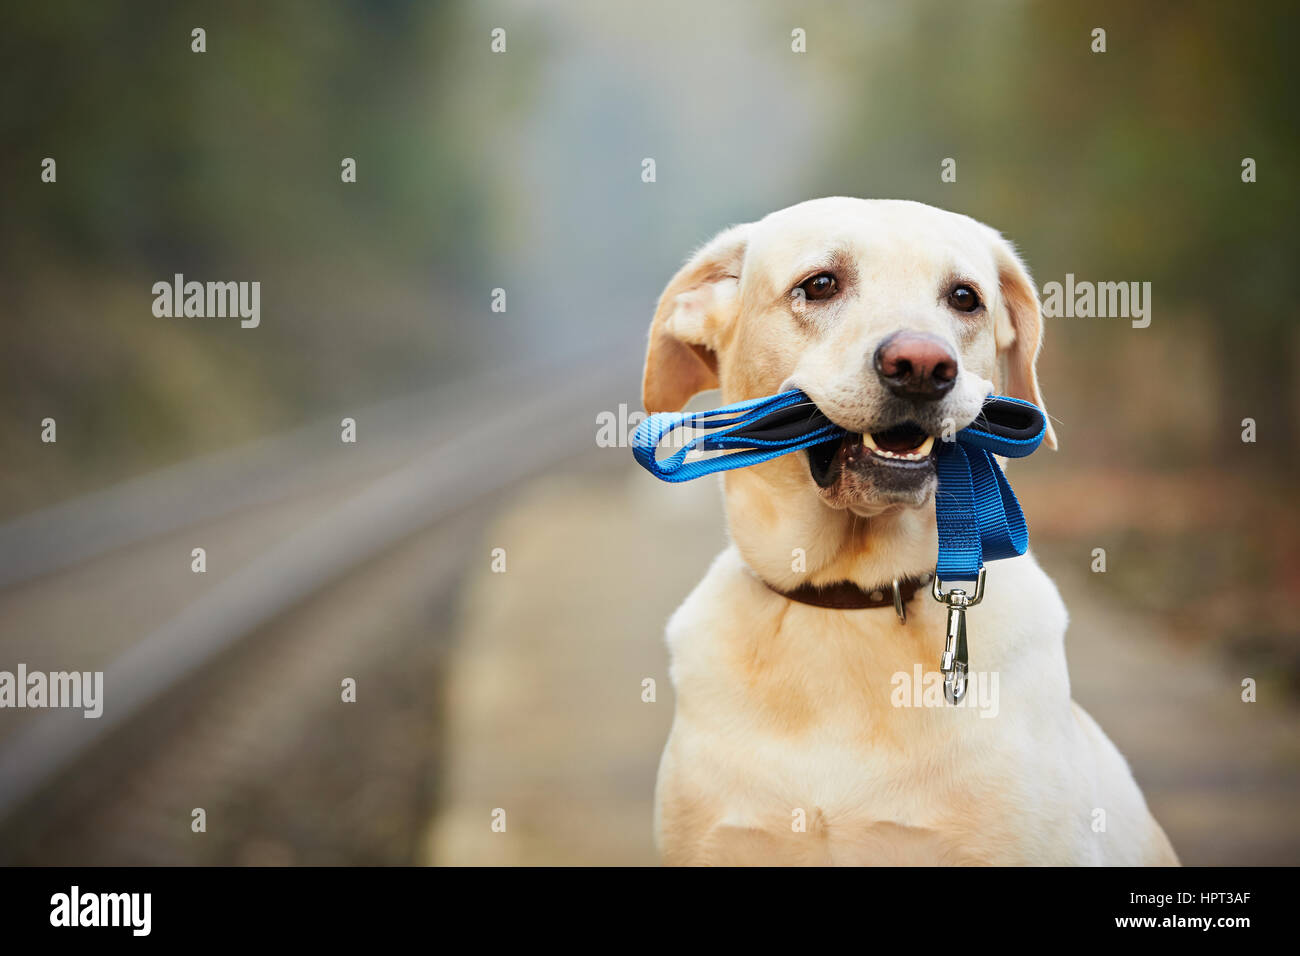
{"points": [[977, 513], [960, 544], [751, 448]]}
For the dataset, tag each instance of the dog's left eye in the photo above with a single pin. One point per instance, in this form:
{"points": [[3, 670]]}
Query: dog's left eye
{"points": [[964, 299], [820, 286]]}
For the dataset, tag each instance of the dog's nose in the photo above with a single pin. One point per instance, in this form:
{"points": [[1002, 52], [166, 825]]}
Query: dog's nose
{"points": [[916, 365]]}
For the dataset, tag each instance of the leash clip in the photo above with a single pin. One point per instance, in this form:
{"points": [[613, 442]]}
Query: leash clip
{"points": [[955, 660]]}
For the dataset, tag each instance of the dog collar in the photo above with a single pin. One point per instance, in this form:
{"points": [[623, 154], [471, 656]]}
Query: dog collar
{"points": [[847, 596], [977, 513]]}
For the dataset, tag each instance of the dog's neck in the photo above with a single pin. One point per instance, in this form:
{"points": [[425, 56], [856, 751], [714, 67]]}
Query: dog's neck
{"points": [[800, 541]]}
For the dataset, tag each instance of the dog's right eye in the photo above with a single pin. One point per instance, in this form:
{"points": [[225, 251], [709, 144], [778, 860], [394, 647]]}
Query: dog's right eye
{"points": [[820, 286]]}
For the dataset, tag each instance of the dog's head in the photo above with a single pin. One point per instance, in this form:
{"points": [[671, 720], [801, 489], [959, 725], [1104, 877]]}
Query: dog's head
{"points": [[896, 318]]}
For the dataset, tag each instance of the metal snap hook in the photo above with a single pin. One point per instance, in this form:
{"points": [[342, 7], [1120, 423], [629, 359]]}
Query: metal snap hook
{"points": [[955, 661]]}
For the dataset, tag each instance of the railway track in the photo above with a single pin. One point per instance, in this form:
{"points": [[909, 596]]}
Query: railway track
{"points": [[222, 689]]}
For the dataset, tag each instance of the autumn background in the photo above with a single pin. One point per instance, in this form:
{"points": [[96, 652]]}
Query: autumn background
{"points": [[522, 171]]}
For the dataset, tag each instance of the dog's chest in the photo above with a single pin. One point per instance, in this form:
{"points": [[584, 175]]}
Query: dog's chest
{"points": [[826, 736], [852, 764], [827, 797]]}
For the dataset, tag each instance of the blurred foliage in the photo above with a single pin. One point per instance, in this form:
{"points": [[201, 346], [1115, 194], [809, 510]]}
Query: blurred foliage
{"points": [[475, 169], [165, 153], [1121, 166], [225, 165]]}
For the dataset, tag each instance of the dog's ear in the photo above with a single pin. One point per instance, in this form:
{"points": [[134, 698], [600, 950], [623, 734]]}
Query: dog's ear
{"points": [[1018, 325], [695, 310]]}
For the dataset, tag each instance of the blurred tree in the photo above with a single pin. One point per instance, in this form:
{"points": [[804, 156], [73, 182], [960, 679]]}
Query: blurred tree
{"points": [[226, 165], [1123, 165]]}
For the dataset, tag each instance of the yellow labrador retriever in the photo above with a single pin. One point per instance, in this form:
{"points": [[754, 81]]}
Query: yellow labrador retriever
{"points": [[810, 734]]}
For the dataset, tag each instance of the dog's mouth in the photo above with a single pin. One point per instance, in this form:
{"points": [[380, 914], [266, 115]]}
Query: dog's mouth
{"points": [[901, 455]]}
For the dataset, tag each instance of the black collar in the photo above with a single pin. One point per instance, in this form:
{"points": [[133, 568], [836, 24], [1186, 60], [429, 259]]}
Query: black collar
{"points": [[847, 596]]}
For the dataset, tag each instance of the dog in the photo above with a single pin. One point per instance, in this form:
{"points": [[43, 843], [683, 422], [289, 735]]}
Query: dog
{"points": [[788, 743]]}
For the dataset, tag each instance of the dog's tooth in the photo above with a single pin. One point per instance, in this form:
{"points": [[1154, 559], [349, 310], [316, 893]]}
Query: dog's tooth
{"points": [[868, 441], [925, 447]]}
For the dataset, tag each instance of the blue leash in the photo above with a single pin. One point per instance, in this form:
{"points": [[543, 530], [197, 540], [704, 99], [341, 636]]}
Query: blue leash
{"points": [[976, 511], [763, 428], [978, 515]]}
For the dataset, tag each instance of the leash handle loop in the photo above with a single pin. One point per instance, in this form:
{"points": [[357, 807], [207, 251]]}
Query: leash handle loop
{"points": [[754, 431]]}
